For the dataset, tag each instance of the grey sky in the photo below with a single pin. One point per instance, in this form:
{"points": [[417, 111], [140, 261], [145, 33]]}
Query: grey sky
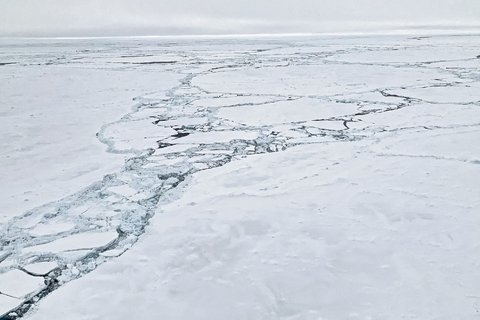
{"points": [[162, 17]]}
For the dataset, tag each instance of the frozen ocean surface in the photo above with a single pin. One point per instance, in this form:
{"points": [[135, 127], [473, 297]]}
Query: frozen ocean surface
{"points": [[247, 178]]}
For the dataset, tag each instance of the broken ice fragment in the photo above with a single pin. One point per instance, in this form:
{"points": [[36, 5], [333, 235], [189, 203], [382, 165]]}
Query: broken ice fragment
{"points": [[76, 242], [18, 284]]}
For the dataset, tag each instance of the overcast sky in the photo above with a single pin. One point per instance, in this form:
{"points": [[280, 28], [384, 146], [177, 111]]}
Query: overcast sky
{"points": [[165, 17]]}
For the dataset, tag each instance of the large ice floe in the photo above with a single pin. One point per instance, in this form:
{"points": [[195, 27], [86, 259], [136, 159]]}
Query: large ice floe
{"points": [[260, 178]]}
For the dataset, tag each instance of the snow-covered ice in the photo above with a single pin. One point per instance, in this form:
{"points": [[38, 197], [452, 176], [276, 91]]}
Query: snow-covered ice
{"points": [[251, 178], [18, 284], [41, 268]]}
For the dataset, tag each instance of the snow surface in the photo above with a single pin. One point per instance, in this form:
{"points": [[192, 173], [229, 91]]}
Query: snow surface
{"points": [[270, 178]]}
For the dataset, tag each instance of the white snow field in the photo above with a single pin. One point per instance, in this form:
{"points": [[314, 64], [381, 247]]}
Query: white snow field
{"points": [[293, 178]]}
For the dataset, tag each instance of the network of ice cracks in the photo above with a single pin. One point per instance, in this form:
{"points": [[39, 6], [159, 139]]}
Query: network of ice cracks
{"points": [[66, 239]]}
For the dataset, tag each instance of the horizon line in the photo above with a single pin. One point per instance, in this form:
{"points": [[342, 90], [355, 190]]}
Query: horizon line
{"points": [[397, 32]]}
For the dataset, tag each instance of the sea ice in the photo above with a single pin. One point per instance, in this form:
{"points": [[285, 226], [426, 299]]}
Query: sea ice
{"points": [[255, 178]]}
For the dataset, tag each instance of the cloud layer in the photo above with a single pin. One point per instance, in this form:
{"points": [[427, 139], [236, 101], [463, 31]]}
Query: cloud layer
{"points": [[161, 17]]}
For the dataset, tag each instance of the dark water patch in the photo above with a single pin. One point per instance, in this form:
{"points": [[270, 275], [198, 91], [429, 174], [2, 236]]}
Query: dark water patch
{"points": [[180, 135], [162, 145]]}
